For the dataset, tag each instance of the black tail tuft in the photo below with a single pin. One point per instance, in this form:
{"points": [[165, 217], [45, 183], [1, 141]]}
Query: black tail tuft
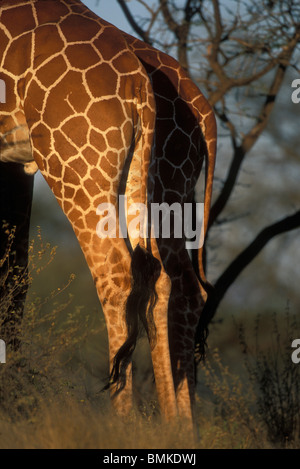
{"points": [[145, 270], [202, 328], [200, 342]]}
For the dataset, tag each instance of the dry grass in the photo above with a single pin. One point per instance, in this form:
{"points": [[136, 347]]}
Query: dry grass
{"points": [[73, 426], [47, 412], [69, 424], [50, 389]]}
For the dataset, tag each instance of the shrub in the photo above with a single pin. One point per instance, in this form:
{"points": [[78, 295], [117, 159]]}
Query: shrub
{"points": [[276, 378]]}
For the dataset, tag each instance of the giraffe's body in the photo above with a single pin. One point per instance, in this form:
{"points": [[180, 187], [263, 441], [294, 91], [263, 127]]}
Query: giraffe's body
{"points": [[80, 105]]}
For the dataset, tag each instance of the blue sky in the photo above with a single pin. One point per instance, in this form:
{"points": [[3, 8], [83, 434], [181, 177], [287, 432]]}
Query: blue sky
{"points": [[110, 11]]}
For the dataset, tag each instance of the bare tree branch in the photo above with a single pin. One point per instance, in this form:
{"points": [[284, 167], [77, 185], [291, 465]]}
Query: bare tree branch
{"points": [[168, 17], [143, 34], [181, 31], [252, 136], [245, 258], [227, 82]]}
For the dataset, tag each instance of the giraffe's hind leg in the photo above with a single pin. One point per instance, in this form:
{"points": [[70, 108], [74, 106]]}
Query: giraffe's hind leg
{"points": [[185, 306], [110, 267], [160, 349]]}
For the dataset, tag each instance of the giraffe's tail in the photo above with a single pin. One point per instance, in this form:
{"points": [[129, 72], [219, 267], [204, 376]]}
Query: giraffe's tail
{"points": [[208, 126], [145, 269], [209, 132]]}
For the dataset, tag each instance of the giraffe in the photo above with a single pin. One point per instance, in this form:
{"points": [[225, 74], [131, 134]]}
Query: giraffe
{"points": [[68, 68]]}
